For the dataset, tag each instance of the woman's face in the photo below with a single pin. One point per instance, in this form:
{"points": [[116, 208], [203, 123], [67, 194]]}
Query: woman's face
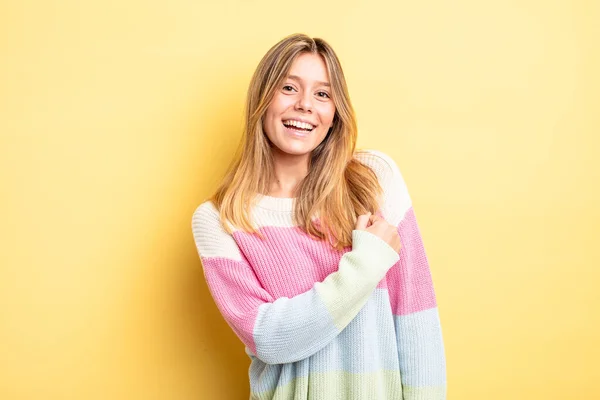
{"points": [[302, 109]]}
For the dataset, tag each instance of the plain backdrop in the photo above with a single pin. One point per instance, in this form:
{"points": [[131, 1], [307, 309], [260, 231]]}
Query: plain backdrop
{"points": [[118, 118]]}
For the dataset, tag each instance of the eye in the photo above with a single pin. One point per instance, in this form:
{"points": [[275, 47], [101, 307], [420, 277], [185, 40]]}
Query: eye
{"points": [[288, 86], [325, 93]]}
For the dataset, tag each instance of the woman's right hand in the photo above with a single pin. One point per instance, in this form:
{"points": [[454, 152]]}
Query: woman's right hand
{"points": [[381, 228]]}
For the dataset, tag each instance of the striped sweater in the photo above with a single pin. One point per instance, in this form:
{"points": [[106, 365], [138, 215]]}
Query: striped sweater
{"points": [[321, 324]]}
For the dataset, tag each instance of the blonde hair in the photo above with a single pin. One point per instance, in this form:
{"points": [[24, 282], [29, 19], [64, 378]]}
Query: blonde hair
{"points": [[337, 187]]}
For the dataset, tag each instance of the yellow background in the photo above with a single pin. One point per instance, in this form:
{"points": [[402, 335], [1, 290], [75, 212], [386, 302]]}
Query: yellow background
{"points": [[119, 117]]}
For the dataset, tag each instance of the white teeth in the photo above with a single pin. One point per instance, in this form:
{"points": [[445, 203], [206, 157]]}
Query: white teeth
{"points": [[298, 124]]}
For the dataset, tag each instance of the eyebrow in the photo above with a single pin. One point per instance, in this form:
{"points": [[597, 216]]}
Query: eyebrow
{"points": [[297, 78]]}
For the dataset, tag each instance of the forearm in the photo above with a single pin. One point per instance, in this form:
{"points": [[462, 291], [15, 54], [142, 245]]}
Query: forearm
{"points": [[291, 329]]}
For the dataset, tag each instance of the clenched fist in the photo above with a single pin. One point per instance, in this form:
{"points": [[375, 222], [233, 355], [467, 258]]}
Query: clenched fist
{"points": [[381, 228]]}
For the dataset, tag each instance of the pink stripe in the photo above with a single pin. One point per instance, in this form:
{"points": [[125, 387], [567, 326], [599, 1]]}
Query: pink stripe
{"points": [[409, 280], [288, 262], [233, 286]]}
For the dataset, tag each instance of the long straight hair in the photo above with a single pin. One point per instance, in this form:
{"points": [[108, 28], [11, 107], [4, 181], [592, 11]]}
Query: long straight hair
{"points": [[338, 188]]}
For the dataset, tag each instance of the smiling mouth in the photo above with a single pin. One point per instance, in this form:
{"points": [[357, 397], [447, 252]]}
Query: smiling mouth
{"points": [[297, 130]]}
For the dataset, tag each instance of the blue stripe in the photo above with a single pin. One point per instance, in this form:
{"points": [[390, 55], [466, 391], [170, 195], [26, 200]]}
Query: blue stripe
{"points": [[421, 349], [295, 339], [367, 344]]}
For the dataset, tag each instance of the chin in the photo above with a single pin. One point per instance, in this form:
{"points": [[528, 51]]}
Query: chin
{"points": [[296, 149], [286, 144]]}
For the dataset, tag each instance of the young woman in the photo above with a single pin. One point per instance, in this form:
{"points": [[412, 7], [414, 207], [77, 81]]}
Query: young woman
{"points": [[311, 249]]}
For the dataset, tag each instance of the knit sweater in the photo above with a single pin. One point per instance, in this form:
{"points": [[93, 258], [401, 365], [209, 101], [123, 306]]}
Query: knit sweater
{"points": [[322, 324]]}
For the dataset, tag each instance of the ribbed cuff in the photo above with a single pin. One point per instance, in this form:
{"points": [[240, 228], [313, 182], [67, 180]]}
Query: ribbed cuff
{"points": [[379, 253]]}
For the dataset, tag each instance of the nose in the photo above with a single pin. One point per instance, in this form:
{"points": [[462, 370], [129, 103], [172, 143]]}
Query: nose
{"points": [[304, 102]]}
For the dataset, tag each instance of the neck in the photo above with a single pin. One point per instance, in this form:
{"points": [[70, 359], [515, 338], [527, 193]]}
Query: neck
{"points": [[290, 170]]}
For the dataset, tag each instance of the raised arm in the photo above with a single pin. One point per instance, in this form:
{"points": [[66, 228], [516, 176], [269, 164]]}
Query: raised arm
{"points": [[285, 329], [418, 332]]}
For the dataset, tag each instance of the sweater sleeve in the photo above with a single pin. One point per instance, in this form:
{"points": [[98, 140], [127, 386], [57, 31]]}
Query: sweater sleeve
{"points": [[285, 330], [421, 351]]}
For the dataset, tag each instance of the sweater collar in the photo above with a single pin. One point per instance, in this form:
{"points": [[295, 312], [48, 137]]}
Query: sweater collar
{"points": [[275, 203]]}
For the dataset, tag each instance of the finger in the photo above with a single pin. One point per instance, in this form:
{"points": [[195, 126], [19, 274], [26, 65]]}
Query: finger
{"points": [[374, 218], [362, 220]]}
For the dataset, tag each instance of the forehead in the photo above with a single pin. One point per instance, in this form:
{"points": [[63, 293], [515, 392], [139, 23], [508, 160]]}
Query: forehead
{"points": [[310, 69]]}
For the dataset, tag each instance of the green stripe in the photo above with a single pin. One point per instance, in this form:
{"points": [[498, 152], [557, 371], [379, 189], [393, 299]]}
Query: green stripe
{"points": [[424, 393], [335, 385]]}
